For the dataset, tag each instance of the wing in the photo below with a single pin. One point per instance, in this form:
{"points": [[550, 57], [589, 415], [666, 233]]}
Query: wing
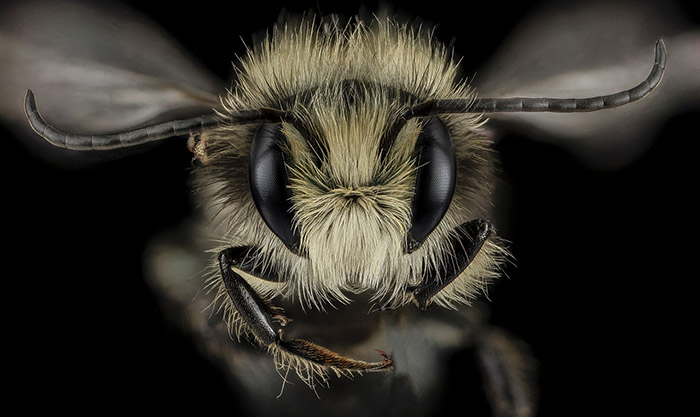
{"points": [[96, 68], [590, 49]]}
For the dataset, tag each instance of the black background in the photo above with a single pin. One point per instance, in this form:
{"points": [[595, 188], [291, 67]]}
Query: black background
{"points": [[601, 290]]}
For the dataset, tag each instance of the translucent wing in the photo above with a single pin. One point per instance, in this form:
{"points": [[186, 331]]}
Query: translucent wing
{"points": [[588, 49], [96, 68]]}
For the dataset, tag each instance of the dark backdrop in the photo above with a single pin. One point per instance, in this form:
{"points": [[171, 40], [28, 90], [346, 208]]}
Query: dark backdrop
{"points": [[600, 291]]}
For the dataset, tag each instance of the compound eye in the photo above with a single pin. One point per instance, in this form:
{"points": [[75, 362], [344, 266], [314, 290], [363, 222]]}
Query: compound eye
{"points": [[269, 184], [435, 181]]}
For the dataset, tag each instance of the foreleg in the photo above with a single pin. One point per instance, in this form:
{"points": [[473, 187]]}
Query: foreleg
{"points": [[258, 315], [467, 243]]}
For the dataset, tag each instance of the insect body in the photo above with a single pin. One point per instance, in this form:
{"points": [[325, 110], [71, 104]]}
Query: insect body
{"points": [[345, 160], [351, 203]]}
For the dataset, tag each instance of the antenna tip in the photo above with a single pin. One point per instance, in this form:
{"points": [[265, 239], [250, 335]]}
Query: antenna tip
{"points": [[29, 100], [660, 52]]}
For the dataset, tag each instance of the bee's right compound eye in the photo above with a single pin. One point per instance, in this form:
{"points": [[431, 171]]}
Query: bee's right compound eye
{"points": [[435, 181], [269, 184]]}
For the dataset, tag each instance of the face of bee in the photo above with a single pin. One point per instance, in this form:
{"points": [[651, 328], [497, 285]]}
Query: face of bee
{"points": [[338, 201]]}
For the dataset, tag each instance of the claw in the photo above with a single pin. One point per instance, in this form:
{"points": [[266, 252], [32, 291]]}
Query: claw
{"points": [[281, 319], [386, 356]]}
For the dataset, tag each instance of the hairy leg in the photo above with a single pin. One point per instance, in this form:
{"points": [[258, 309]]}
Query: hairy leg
{"points": [[259, 315], [471, 237]]}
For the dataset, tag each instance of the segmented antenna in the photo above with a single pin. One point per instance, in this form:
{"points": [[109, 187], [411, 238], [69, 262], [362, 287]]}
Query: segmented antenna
{"points": [[545, 104], [145, 134]]}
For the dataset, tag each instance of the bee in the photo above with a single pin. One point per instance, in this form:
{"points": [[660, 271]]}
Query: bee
{"points": [[347, 162]]}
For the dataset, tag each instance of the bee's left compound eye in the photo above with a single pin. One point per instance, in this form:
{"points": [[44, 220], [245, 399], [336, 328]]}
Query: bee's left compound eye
{"points": [[435, 181], [269, 184]]}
